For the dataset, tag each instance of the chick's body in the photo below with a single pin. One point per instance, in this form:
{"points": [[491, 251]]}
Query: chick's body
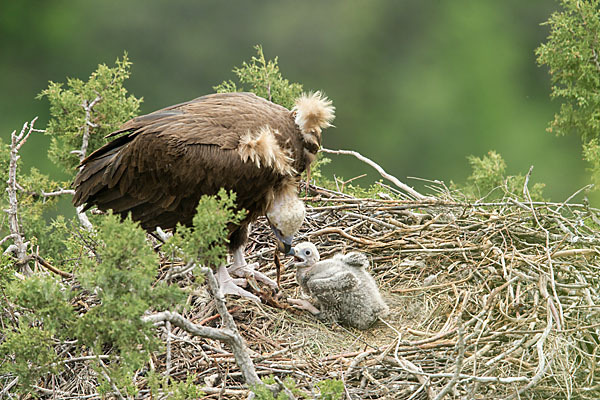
{"points": [[340, 287]]}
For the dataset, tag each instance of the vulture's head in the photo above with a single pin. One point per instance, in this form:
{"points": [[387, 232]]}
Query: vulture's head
{"points": [[286, 216], [306, 254], [313, 112]]}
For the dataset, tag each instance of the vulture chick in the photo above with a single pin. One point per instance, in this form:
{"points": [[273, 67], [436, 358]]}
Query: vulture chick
{"points": [[341, 288], [160, 164]]}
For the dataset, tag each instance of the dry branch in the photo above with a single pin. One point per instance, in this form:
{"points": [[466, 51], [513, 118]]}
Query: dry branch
{"points": [[229, 334], [413, 193], [474, 290], [19, 247], [82, 153]]}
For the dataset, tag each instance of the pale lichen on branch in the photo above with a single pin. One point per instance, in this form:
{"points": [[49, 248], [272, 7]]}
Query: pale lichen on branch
{"points": [[20, 246]]}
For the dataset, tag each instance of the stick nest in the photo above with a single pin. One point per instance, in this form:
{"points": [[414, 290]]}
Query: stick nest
{"points": [[488, 300]]}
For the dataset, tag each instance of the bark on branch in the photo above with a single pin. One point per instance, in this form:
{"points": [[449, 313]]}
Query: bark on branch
{"points": [[229, 334], [88, 108], [19, 246], [411, 192]]}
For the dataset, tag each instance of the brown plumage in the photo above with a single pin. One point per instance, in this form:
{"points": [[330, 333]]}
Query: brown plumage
{"points": [[166, 160]]}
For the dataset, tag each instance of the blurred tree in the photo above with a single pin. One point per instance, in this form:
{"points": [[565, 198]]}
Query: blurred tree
{"points": [[571, 53], [418, 85], [84, 114]]}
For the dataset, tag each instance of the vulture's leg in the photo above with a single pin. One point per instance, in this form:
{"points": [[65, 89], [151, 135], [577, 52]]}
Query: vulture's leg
{"points": [[243, 270], [229, 285], [304, 305]]}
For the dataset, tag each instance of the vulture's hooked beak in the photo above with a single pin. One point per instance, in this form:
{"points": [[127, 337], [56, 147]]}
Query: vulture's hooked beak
{"points": [[284, 243]]}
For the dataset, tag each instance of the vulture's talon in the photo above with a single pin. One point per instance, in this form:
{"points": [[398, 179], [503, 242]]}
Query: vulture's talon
{"points": [[229, 285], [241, 282], [249, 272], [253, 284], [230, 288]]}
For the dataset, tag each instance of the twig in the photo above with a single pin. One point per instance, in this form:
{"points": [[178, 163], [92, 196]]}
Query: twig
{"points": [[87, 107], [459, 360], [8, 237], [381, 171], [229, 334], [58, 192], [284, 389], [168, 357], [237, 344], [10, 385], [542, 364], [83, 219], [20, 246], [340, 232], [181, 322], [114, 387], [49, 266]]}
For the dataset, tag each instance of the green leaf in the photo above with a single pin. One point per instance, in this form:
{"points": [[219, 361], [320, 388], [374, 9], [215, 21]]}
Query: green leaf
{"points": [[69, 120], [264, 79]]}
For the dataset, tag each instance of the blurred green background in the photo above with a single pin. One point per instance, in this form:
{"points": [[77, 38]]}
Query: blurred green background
{"points": [[418, 85]]}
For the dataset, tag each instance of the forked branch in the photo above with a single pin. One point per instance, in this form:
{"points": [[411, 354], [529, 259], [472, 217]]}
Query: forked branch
{"points": [[19, 246], [411, 192]]}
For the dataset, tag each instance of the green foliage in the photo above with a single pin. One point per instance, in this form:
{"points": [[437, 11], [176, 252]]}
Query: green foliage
{"points": [[316, 173], [487, 172], [67, 126], [488, 179], [4, 164], [182, 390], [571, 54], [28, 352], [591, 152], [205, 242], [33, 210], [7, 271], [32, 207], [43, 305], [262, 392], [264, 79], [122, 275], [43, 299], [331, 389], [69, 121]]}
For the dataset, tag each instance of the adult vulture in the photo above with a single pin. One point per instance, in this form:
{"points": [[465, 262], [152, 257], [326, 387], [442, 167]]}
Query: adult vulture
{"points": [[164, 161]]}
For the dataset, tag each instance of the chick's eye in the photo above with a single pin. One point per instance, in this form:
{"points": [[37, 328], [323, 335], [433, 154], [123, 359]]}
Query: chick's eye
{"points": [[308, 252]]}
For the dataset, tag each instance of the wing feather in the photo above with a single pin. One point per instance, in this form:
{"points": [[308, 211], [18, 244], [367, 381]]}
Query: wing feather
{"points": [[167, 160]]}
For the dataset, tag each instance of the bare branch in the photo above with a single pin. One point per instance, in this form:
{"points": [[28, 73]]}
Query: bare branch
{"points": [[8, 387], [11, 236], [168, 358], [104, 373], [413, 193], [285, 390], [459, 361], [58, 192], [50, 267], [83, 219], [229, 334], [238, 345], [20, 246], [87, 106], [193, 329]]}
